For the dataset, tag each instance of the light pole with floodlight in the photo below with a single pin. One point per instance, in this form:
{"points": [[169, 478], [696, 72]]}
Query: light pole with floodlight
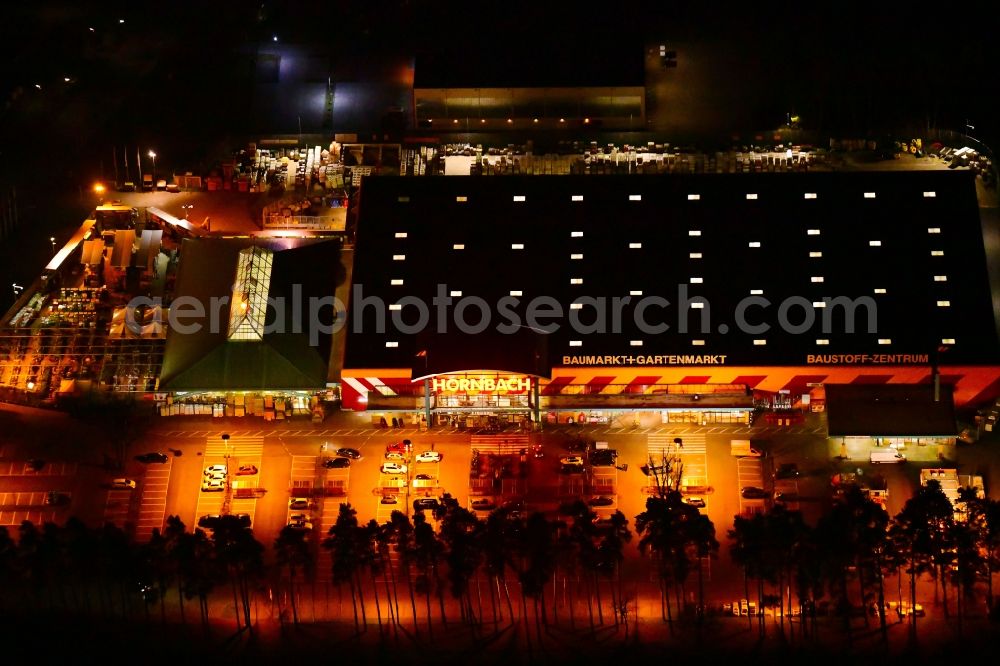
{"points": [[152, 156], [52, 239]]}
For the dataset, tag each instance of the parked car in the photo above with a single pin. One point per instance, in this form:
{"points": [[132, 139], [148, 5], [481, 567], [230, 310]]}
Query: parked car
{"points": [[210, 521], [389, 499], [787, 471], [210, 485], [123, 484], [299, 503], [336, 463], [299, 518], [246, 470], [301, 525], [152, 457], [397, 447], [482, 504], [393, 468], [216, 471], [423, 503], [429, 456], [571, 469], [601, 501], [571, 460], [354, 454], [752, 492], [56, 498], [695, 501], [424, 477]]}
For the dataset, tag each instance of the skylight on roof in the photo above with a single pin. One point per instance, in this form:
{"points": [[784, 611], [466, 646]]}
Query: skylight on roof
{"points": [[400, 234], [517, 246], [751, 197], [576, 234], [930, 195], [576, 343], [822, 341], [694, 197], [880, 290], [694, 232], [518, 197], [756, 292], [635, 292], [576, 197], [759, 342], [947, 341], [635, 343], [754, 244], [635, 197], [403, 199], [937, 253], [810, 195], [815, 255], [698, 343], [396, 282], [461, 199], [516, 292], [576, 256], [394, 307], [869, 195], [812, 232], [940, 278], [933, 230], [576, 280], [456, 293], [944, 304], [458, 246], [391, 343], [694, 255], [816, 278], [635, 246], [249, 305], [874, 243], [399, 257], [697, 280], [885, 341]]}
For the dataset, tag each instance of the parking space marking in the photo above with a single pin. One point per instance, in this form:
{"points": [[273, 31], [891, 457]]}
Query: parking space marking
{"points": [[153, 501]]}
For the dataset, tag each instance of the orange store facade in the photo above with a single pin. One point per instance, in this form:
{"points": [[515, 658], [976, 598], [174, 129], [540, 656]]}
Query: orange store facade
{"points": [[710, 393]]}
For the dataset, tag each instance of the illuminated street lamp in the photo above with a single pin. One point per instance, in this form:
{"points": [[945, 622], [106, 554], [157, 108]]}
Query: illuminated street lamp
{"points": [[152, 156], [52, 239], [17, 289], [187, 209], [99, 190]]}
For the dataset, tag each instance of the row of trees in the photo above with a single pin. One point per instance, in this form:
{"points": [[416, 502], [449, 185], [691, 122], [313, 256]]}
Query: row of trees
{"points": [[857, 545], [508, 569]]}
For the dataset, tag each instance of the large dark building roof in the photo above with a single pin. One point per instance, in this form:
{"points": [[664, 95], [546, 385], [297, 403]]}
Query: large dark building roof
{"points": [[909, 243], [889, 410], [285, 358]]}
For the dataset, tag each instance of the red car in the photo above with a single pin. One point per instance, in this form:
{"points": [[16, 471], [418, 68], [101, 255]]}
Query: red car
{"points": [[398, 447]]}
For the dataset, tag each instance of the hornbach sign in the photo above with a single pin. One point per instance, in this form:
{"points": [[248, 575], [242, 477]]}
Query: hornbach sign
{"points": [[481, 384]]}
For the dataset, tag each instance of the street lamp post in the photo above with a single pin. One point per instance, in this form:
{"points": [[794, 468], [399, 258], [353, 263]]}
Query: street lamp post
{"points": [[152, 156], [52, 239], [187, 209], [99, 191], [17, 289]]}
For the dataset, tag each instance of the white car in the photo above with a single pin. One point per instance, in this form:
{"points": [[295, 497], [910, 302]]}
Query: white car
{"points": [[213, 485], [216, 471], [394, 456], [123, 484], [393, 468], [300, 525], [429, 456]]}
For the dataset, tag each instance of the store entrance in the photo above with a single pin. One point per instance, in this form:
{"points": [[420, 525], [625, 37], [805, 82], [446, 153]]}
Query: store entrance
{"points": [[488, 421]]}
